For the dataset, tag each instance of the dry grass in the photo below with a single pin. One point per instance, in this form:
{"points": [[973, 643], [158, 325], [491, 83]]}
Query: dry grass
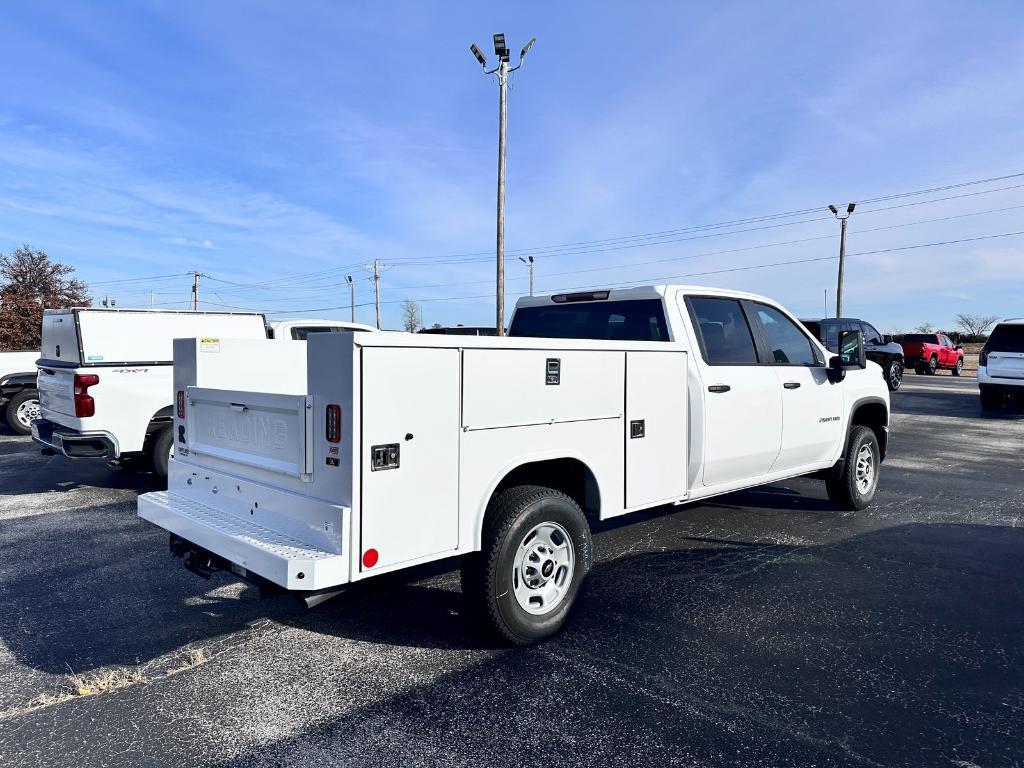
{"points": [[104, 681]]}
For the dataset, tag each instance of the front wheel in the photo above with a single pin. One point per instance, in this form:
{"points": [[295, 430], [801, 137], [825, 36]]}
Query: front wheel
{"points": [[854, 487], [533, 564], [959, 367], [894, 376], [21, 410]]}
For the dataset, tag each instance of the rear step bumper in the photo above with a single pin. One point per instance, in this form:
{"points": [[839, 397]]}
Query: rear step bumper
{"points": [[222, 541], [72, 443]]}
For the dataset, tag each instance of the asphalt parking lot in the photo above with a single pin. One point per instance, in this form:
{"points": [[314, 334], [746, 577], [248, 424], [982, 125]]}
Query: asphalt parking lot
{"points": [[763, 628]]}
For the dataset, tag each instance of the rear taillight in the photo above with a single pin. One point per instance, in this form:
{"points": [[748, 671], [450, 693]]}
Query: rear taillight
{"points": [[84, 404], [983, 356], [181, 404], [333, 424]]}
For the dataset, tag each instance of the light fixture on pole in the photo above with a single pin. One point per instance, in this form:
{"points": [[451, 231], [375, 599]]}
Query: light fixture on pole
{"points": [[528, 261], [842, 253], [502, 71]]}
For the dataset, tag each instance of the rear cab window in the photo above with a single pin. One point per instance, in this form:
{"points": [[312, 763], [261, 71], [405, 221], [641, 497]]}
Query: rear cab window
{"points": [[301, 333], [636, 320], [1006, 337]]}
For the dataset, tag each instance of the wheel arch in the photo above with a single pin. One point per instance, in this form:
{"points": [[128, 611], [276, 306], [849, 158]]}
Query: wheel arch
{"points": [[570, 474], [871, 412]]}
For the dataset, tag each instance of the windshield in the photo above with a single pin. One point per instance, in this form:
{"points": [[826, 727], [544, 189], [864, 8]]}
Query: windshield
{"points": [[921, 338], [1006, 338], [642, 320]]}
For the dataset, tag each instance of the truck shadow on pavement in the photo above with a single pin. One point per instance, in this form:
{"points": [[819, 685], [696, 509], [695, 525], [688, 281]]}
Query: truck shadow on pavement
{"points": [[897, 647]]}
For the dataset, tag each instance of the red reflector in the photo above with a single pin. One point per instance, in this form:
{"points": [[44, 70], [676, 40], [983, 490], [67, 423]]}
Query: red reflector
{"points": [[333, 425], [85, 406], [370, 558], [181, 404]]}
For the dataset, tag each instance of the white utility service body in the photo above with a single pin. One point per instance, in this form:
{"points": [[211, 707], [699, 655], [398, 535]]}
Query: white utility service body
{"points": [[401, 441]]}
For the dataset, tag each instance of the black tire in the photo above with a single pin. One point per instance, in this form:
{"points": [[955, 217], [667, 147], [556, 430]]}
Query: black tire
{"points": [[24, 398], [894, 375], [489, 577], [919, 369], [991, 401], [843, 488], [160, 451], [933, 365], [958, 368]]}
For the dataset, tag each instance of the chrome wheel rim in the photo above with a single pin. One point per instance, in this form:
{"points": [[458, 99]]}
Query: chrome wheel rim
{"points": [[26, 412], [959, 365], [543, 568], [896, 375], [864, 473]]}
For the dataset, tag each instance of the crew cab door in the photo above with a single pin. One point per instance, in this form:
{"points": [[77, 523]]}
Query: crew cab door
{"points": [[947, 352], [742, 398], [811, 405]]}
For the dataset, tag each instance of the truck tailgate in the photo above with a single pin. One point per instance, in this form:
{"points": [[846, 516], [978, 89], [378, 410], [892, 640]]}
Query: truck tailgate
{"points": [[56, 391], [272, 432]]}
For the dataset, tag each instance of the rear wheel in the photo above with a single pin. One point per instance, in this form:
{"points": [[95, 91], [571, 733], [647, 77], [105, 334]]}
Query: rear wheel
{"points": [[894, 375], [21, 410], [958, 368], [854, 487], [161, 451], [533, 564], [932, 366]]}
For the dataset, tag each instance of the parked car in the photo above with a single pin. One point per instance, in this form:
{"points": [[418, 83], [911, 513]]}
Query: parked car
{"points": [[19, 403], [928, 352], [879, 348], [637, 398], [1001, 365], [299, 330]]}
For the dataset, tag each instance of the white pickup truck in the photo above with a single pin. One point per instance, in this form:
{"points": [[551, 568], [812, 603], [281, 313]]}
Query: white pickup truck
{"points": [[405, 448], [19, 403], [105, 378]]}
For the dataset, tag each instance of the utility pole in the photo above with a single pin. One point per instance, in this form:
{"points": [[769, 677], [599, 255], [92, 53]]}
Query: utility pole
{"points": [[528, 261], [152, 298], [352, 296], [842, 253], [502, 71], [376, 288], [195, 291]]}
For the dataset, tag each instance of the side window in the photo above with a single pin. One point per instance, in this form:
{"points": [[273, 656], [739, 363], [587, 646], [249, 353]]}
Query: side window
{"points": [[725, 337], [871, 336], [301, 333], [832, 336], [788, 344]]}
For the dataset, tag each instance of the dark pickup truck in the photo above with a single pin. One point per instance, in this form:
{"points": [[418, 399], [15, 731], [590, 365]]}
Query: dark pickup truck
{"points": [[879, 348]]}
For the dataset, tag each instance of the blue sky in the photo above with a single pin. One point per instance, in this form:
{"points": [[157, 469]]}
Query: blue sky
{"points": [[279, 146]]}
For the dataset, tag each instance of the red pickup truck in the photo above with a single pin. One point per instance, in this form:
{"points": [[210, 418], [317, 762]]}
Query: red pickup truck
{"points": [[928, 352]]}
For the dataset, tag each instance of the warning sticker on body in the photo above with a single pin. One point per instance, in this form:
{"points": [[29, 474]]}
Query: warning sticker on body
{"points": [[209, 345]]}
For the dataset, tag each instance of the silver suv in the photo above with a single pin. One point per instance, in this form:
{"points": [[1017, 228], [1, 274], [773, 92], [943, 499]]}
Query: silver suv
{"points": [[1001, 365]]}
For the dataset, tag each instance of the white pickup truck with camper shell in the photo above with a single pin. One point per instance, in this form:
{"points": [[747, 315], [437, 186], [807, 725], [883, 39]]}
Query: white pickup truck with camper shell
{"points": [[19, 403], [410, 448], [105, 378]]}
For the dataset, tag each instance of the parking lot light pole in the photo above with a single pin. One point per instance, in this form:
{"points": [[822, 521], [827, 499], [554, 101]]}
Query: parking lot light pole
{"points": [[842, 253], [352, 296], [502, 71], [528, 261]]}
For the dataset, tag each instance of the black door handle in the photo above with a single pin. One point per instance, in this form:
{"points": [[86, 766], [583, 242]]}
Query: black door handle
{"points": [[719, 388], [792, 385]]}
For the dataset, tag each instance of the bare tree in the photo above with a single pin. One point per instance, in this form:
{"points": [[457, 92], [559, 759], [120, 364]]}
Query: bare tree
{"points": [[29, 283], [924, 328], [976, 325], [412, 316]]}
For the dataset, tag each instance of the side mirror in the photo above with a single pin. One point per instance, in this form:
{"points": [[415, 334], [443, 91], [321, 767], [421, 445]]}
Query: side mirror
{"points": [[851, 349], [836, 372], [886, 338]]}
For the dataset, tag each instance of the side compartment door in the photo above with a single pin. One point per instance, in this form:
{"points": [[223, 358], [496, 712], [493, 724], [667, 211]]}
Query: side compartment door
{"points": [[409, 455], [656, 427]]}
